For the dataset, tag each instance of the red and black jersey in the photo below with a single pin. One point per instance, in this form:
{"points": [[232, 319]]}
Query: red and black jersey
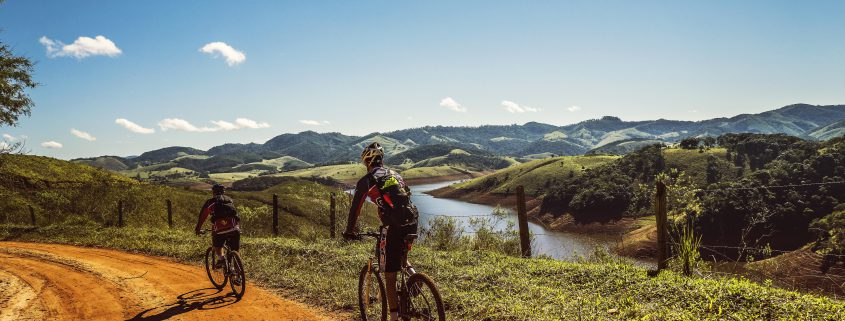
{"points": [[384, 187], [219, 224]]}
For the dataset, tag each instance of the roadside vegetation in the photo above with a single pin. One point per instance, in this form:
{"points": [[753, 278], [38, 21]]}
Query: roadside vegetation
{"points": [[476, 285]]}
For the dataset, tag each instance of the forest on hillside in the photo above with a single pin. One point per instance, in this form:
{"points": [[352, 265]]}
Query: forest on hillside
{"points": [[764, 194]]}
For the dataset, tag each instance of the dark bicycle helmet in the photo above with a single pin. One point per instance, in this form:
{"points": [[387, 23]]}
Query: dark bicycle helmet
{"points": [[218, 189]]}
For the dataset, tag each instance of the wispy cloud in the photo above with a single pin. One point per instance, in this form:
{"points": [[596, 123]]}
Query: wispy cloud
{"points": [[51, 145], [514, 108], [83, 135], [219, 125], [181, 124], [218, 48], [450, 103], [83, 47], [310, 122], [573, 109], [10, 138], [240, 123], [133, 127]]}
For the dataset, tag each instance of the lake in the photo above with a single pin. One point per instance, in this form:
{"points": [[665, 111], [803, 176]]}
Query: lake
{"points": [[559, 245]]}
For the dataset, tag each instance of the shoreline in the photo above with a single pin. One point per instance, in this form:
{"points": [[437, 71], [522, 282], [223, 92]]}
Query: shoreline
{"points": [[638, 236]]}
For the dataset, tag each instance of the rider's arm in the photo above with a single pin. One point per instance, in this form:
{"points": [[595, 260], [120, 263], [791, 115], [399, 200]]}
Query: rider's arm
{"points": [[204, 212], [357, 201]]}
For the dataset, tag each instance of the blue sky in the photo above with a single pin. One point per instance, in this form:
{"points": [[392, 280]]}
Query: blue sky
{"points": [[361, 67]]}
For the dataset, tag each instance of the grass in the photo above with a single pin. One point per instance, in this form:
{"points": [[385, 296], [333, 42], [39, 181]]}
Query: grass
{"points": [[694, 163], [342, 172], [350, 173], [476, 285], [57, 190], [433, 171], [535, 175], [231, 177]]}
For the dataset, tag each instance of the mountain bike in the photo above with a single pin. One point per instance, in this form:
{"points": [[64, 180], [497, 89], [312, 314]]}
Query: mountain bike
{"points": [[419, 298], [231, 270]]}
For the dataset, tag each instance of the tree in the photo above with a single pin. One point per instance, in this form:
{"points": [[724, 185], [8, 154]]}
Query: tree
{"points": [[689, 143], [709, 142], [15, 78]]}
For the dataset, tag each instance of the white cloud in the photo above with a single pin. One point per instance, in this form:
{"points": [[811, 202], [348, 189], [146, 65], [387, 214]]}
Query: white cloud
{"points": [[181, 124], [219, 125], [51, 145], [574, 108], [310, 122], [10, 138], [240, 123], [514, 108], [450, 103], [81, 48], [249, 123], [83, 135], [133, 127], [217, 48]]}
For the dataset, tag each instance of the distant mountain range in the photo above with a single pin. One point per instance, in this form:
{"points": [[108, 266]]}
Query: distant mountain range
{"points": [[521, 141]]}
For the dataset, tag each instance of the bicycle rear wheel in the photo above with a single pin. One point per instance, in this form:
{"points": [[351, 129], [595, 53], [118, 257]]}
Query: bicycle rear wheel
{"points": [[371, 296], [238, 278], [424, 302], [216, 276]]}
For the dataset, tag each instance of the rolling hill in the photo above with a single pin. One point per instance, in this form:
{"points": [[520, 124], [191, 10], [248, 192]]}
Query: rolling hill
{"points": [[604, 135]]}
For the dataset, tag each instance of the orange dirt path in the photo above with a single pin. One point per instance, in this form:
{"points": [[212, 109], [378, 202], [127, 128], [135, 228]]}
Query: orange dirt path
{"points": [[62, 282]]}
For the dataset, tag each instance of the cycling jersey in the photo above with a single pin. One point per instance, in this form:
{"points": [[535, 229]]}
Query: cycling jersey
{"points": [[367, 187], [219, 225]]}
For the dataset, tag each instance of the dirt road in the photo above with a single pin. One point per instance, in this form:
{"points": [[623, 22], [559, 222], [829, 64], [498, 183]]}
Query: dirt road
{"points": [[47, 281]]}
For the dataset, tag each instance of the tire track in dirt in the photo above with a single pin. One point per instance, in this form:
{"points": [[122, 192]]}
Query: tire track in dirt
{"points": [[50, 281]]}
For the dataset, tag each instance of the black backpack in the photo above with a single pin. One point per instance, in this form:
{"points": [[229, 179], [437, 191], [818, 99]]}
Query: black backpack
{"points": [[224, 207], [403, 212]]}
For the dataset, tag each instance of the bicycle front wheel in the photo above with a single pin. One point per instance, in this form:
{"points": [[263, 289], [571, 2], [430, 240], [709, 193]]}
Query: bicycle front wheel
{"points": [[371, 296], [215, 275], [238, 278], [424, 302]]}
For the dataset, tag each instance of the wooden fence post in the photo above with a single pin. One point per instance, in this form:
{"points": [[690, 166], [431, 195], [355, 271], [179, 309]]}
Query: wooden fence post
{"points": [[120, 213], [524, 236], [332, 215], [169, 213], [275, 215], [32, 214], [662, 232]]}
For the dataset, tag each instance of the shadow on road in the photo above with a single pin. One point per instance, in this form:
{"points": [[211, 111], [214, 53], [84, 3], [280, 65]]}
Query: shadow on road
{"points": [[201, 299]]}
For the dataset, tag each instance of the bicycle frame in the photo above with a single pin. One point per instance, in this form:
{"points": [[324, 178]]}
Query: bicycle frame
{"points": [[406, 271]]}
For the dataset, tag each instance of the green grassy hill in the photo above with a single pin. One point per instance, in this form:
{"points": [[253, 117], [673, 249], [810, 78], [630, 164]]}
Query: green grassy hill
{"points": [[58, 190], [534, 175]]}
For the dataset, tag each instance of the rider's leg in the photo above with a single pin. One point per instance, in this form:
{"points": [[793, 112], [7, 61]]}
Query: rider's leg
{"points": [[392, 296]]}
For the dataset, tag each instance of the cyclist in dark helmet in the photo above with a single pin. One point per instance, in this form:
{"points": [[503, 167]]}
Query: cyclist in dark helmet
{"points": [[386, 189], [225, 228]]}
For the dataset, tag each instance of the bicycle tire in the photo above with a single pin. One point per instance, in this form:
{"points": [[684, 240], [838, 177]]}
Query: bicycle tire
{"points": [[369, 311], [238, 267], [416, 286], [210, 260]]}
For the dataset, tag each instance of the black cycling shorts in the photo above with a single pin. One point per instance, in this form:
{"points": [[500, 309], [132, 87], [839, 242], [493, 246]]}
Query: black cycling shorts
{"points": [[232, 239], [395, 246]]}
